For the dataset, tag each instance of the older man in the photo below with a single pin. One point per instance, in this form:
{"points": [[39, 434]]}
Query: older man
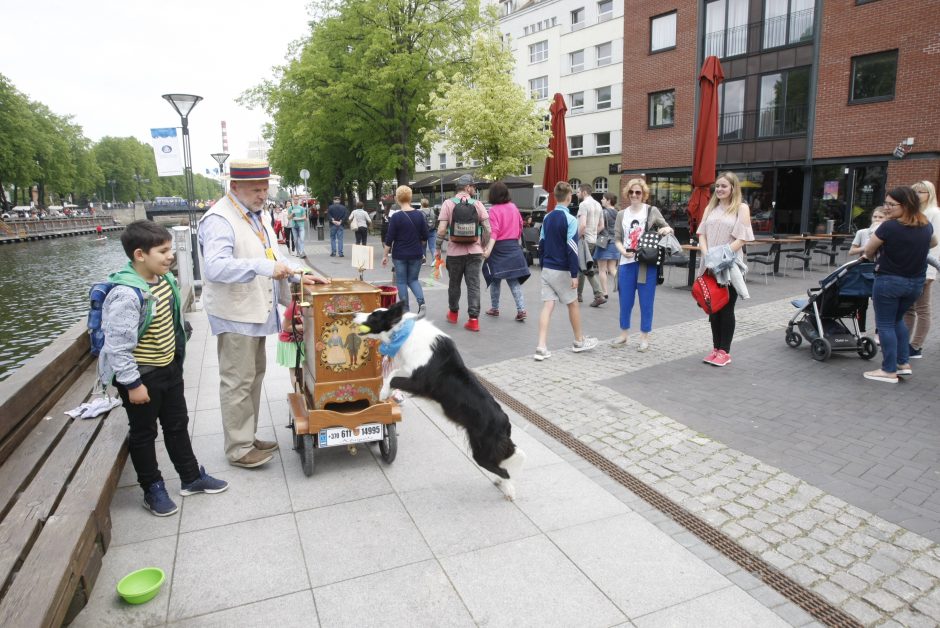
{"points": [[244, 280]]}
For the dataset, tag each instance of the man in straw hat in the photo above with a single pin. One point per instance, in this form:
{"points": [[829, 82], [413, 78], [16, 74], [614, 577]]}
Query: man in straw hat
{"points": [[244, 278]]}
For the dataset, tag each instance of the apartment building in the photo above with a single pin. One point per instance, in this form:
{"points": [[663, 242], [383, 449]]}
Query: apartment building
{"points": [[572, 47], [824, 104]]}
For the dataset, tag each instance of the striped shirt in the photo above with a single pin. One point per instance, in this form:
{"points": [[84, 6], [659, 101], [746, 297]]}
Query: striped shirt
{"points": [[157, 347]]}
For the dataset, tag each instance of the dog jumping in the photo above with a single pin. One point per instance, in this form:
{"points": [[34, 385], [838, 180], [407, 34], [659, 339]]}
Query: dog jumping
{"points": [[427, 364]]}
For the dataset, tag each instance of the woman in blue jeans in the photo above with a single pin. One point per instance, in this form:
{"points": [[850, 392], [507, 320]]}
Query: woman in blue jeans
{"points": [[899, 247], [406, 238]]}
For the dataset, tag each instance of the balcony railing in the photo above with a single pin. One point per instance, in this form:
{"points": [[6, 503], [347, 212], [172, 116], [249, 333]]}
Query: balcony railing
{"points": [[777, 121], [774, 32], [788, 29]]}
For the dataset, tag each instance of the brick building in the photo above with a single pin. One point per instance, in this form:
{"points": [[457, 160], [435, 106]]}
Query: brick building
{"points": [[816, 99]]}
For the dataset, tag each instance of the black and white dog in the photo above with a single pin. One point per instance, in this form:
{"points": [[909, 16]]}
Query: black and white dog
{"points": [[427, 364]]}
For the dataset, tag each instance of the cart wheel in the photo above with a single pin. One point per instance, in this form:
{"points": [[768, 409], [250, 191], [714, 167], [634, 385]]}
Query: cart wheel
{"points": [[388, 446], [306, 454], [794, 339], [821, 349], [867, 349]]}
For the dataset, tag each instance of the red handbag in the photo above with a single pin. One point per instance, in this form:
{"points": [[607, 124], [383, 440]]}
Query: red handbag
{"points": [[708, 294]]}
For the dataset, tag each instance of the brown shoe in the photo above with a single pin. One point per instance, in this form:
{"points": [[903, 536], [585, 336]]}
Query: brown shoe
{"points": [[254, 458], [265, 445], [598, 301]]}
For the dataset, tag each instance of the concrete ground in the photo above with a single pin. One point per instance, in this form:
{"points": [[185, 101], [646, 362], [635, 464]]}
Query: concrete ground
{"points": [[429, 540]]}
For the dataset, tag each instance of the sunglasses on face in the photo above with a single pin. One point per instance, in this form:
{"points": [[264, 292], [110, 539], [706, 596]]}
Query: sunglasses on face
{"points": [[635, 193]]}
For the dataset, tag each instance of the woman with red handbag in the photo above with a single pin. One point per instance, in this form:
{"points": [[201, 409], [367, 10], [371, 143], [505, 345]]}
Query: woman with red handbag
{"points": [[726, 221]]}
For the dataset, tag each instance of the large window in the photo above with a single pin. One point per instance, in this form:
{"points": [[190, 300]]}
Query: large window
{"points": [[662, 108], [576, 102], [600, 185], [604, 54], [538, 87], [576, 61], [576, 145], [442, 160], [726, 28], [577, 19], [602, 97], [787, 22], [663, 32], [873, 76], [784, 98], [731, 110], [538, 51], [605, 10], [602, 143]]}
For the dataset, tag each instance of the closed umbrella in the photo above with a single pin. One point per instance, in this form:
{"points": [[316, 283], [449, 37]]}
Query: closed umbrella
{"points": [[556, 164], [706, 141]]}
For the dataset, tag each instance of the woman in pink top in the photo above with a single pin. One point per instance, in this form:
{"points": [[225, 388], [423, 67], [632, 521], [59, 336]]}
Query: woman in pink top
{"points": [[726, 221], [503, 257]]}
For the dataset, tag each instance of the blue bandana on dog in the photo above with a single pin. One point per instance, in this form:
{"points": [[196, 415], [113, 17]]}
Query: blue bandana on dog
{"points": [[399, 336]]}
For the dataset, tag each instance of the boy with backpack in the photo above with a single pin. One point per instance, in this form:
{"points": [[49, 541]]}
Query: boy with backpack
{"points": [[144, 343], [466, 224]]}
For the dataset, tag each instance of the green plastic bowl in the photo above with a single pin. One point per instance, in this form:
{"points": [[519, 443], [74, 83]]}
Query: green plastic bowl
{"points": [[142, 585]]}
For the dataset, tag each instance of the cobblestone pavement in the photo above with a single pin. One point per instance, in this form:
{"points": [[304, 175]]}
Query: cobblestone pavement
{"points": [[875, 570]]}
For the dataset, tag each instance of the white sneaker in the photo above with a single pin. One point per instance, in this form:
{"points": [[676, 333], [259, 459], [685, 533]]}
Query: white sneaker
{"points": [[585, 344], [541, 353]]}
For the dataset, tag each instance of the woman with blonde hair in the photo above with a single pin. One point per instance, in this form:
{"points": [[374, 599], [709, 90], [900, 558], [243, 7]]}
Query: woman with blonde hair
{"points": [[406, 238], [725, 222], [917, 319]]}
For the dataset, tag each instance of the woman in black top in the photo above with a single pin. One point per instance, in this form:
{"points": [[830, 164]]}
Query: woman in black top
{"points": [[901, 243]]}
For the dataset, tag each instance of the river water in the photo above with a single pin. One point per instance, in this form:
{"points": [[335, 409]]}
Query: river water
{"points": [[44, 290]]}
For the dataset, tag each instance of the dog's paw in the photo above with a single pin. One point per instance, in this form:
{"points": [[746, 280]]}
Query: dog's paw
{"points": [[508, 489], [384, 393]]}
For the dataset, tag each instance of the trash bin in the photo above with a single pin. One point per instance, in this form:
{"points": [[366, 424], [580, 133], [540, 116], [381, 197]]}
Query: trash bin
{"points": [[830, 225], [389, 296], [320, 235]]}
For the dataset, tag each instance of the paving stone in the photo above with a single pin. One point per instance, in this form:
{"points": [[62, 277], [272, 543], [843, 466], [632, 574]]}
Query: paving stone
{"points": [[917, 579], [884, 600], [831, 592], [849, 582], [862, 611]]}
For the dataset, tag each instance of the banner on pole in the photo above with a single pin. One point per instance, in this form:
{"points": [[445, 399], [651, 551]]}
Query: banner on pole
{"points": [[166, 151]]}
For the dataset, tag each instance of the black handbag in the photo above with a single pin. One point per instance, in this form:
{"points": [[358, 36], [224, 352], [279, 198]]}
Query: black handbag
{"points": [[648, 250]]}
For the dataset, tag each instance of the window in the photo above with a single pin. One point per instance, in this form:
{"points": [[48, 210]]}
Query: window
{"points": [[427, 166], [604, 54], [731, 110], [605, 10], [784, 98], [538, 51], [539, 87], [873, 76], [600, 185], [506, 7], [459, 163], [475, 162], [577, 19], [787, 22], [576, 61], [576, 102], [576, 146], [726, 28], [442, 160], [662, 108], [602, 96], [602, 143], [527, 171], [663, 32], [574, 183]]}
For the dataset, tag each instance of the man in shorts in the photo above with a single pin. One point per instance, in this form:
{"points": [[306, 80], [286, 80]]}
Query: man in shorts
{"points": [[558, 255]]}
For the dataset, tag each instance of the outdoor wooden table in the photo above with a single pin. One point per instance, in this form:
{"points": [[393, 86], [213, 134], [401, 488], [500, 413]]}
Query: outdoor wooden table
{"points": [[693, 250]]}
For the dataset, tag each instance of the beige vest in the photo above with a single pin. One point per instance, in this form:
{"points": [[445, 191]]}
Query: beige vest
{"points": [[249, 302]]}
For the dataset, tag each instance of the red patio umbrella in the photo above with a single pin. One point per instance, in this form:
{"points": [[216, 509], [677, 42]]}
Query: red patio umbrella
{"points": [[706, 141], [556, 164]]}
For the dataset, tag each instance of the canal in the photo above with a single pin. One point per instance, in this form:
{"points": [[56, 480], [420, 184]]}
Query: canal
{"points": [[44, 290]]}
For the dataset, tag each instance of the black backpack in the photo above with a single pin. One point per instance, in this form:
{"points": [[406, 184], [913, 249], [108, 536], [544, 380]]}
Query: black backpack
{"points": [[464, 221]]}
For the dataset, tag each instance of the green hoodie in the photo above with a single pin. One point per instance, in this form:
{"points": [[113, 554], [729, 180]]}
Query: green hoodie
{"points": [[128, 276]]}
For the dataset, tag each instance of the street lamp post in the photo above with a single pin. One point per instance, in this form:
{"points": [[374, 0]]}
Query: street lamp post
{"points": [[183, 104], [220, 159], [139, 179], [112, 183]]}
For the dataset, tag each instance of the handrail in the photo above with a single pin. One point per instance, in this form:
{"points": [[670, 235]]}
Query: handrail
{"points": [[767, 33], [775, 121]]}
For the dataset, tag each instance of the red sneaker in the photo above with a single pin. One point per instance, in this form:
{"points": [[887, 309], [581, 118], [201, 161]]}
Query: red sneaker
{"points": [[472, 325], [710, 357], [451, 317], [721, 359]]}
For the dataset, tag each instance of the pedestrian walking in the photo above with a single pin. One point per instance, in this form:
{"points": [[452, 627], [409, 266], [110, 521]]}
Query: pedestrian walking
{"points": [[298, 217], [726, 221], [359, 222], [590, 223], [606, 254], [407, 236], [431, 219], [503, 257], [917, 317], [338, 215]]}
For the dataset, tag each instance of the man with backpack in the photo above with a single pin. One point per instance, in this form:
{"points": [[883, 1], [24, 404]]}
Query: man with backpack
{"points": [[467, 226]]}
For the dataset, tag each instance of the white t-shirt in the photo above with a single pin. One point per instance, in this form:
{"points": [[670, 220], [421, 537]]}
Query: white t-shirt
{"points": [[590, 211], [634, 224], [862, 236]]}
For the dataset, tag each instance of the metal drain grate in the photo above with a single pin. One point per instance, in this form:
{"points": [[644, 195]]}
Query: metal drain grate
{"points": [[809, 601]]}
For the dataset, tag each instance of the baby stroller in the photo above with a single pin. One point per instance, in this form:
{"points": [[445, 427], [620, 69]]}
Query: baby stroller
{"points": [[828, 319]]}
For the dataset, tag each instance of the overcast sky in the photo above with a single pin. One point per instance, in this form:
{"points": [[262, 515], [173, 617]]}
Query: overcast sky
{"points": [[107, 62]]}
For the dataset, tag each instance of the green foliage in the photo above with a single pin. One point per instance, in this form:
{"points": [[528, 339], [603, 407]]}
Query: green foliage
{"points": [[486, 116]]}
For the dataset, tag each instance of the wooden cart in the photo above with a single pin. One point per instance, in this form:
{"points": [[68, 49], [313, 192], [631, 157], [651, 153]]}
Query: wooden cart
{"points": [[336, 401]]}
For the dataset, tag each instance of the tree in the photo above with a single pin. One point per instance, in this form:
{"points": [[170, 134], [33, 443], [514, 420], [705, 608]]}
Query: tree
{"points": [[486, 116]]}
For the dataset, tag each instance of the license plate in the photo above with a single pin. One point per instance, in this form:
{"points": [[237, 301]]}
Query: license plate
{"points": [[365, 433]]}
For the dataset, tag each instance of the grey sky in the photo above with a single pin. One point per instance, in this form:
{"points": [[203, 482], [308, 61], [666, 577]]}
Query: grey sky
{"points": [[107, 62]]}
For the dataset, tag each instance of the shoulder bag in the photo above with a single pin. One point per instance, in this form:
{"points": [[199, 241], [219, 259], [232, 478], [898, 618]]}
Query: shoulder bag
{"points": [[709, 296], [648, 250]]}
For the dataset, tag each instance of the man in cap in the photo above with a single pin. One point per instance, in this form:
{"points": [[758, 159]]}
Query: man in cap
{"points": [[464, 259], [244, 278]]}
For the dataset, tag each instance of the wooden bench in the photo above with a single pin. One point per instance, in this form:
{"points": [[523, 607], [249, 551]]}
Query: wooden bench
{"points": [[57, 478]]}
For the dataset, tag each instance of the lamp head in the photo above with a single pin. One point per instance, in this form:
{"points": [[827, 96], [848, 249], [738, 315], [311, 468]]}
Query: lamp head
{"points": [[219, 157], [182, 103]]}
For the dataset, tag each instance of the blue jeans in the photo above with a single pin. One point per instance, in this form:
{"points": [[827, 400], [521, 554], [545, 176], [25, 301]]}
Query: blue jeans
{"points": [[514, 287], [406, 276], [629, 286], [298, 230], [336, 239], [892, 296], [432, 240]]}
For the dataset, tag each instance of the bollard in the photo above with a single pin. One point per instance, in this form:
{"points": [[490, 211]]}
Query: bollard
{"points": [[320, 235], [830, 225]]}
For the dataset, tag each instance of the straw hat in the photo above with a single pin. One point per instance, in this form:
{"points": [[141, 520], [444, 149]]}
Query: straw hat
{"points": [[249, 170]]}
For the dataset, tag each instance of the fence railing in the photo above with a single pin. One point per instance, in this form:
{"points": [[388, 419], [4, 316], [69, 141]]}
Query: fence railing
{"points": [[773, 32], [774, 121], [23, 228]]}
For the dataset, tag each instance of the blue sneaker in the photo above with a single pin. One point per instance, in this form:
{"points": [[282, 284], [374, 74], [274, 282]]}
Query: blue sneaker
{"points": [[916, 354], [158, 501], [205, 483]]}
